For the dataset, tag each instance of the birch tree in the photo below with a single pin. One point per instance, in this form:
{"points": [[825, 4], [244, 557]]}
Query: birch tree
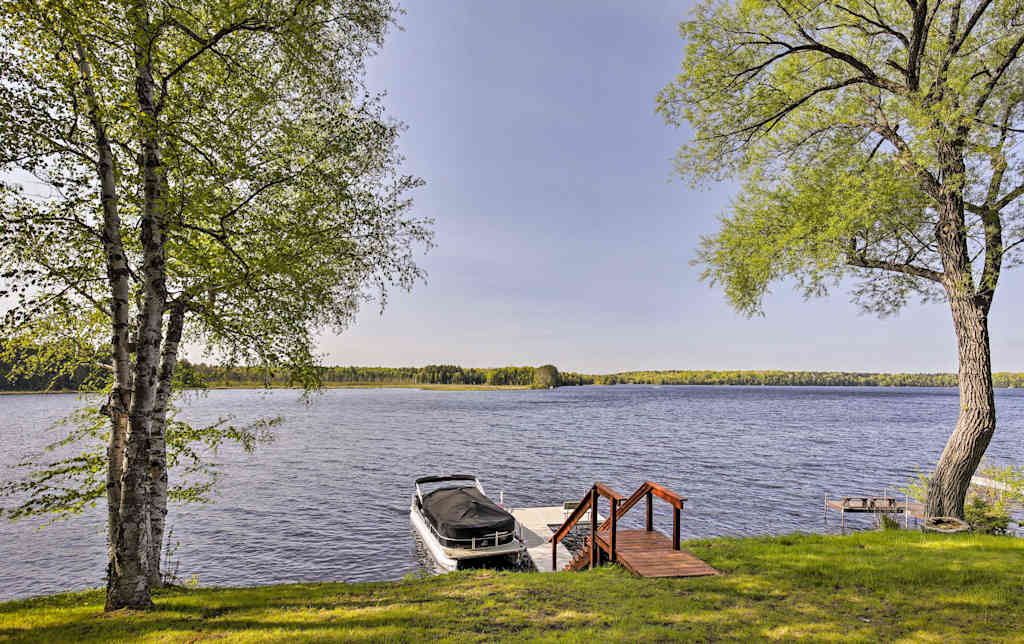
{"points": [[214, 172], [873, 139]]}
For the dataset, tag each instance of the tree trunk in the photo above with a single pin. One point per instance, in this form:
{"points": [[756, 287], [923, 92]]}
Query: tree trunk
{"points": [[977, 422], [118, 274], [129, 586], [158, 442]]}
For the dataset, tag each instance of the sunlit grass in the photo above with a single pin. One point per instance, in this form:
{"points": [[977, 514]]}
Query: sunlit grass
{"points": [[867, 587]]}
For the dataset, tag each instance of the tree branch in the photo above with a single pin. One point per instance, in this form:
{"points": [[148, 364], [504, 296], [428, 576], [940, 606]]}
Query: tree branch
{"points": [[206, 44], [1011, 55], [869, 74], [860, 261], [877, 23], [777, 116], [993, 257], [1009, 197]]}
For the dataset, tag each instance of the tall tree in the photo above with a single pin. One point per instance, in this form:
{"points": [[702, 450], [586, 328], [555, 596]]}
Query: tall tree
{"points": [[214, 172], [876, 139]]}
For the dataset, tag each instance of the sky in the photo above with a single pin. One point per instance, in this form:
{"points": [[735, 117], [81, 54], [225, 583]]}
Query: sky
{"points": [[562, 235]]}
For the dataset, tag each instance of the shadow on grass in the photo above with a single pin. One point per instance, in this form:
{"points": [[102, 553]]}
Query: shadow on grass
{"points": [[861, 588]]}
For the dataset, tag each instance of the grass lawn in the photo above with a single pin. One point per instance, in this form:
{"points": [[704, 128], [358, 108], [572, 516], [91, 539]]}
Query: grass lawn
{"points": [[868, 587]]}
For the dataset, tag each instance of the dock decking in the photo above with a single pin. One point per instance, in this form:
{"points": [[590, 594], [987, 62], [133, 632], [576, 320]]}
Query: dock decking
{"points": [[874, 505], [536, 527], [646, 553], [537, 534], [650, 554]]}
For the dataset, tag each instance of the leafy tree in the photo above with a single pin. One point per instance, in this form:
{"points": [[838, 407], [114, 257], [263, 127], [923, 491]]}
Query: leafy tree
{"points": [[874, 139], [546, 376], [212, 172]]}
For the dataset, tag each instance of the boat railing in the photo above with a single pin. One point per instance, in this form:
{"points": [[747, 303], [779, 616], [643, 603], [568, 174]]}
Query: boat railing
{"points": [[498, 538], [445, 478]]}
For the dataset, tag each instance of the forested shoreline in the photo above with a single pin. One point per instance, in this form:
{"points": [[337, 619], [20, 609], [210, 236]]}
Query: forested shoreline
{"points": [[200, 375], [800, 378]]}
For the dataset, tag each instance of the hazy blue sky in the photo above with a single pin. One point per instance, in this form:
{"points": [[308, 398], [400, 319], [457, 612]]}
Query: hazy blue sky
{"points": [[562, 235]]}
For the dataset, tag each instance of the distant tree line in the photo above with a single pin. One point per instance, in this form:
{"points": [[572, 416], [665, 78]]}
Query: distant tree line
{"points": [[798, 378], [435, 374], [14, 378]]}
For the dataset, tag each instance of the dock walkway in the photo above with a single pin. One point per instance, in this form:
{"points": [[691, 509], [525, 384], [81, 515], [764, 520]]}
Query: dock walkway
{"points": [[646, 553], [537, 534], [536, 528], [650, 554]]}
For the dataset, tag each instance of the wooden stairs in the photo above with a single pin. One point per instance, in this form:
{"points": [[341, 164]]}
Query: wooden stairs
{"points": [[647, 553]]}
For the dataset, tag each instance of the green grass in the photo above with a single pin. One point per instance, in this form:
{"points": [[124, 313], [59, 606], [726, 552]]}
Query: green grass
{"points": [[867, 587]]}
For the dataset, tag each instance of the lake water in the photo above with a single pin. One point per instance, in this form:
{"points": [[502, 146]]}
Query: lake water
{"points": [[329, 499]]}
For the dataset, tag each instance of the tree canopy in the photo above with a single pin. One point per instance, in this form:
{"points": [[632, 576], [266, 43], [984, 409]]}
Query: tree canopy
{"points": [[214, 173], [875, 139], [834, 117]]}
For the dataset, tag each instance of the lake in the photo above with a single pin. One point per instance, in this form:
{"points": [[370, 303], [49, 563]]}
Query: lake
{"points": [[329, 498]]}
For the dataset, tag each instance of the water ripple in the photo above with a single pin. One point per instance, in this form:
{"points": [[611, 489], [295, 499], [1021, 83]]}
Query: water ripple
{"points": [[328, 500]]}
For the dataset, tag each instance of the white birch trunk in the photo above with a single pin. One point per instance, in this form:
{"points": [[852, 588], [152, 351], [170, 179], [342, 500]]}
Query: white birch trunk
{"points": [[158, 441], [120, 304], [130, 586]]}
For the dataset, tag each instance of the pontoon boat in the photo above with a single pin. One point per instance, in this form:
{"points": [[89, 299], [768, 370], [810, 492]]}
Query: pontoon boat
{"points": [[458, 522]]}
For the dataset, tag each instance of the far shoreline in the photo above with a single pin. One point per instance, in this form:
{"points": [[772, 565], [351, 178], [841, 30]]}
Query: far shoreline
{"points": [[256, 385], [464, 387]]}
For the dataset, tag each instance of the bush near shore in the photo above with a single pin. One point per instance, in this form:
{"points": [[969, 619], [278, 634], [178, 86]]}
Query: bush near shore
{"points": [[865, 587]]}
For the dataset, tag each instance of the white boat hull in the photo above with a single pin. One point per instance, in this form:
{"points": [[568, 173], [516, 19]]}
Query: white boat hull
{"points": [[449, 558]]}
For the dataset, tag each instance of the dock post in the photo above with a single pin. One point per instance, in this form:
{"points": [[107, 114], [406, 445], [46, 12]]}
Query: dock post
{"points": [[650, 511], [675, 528], [615, 519], [595, 553], [554, 555]]}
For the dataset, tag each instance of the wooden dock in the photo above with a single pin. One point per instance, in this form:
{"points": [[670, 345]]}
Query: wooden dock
{"points": [[650, 554], [536, 529], [874, 505], [646, 553], [885, 504]]}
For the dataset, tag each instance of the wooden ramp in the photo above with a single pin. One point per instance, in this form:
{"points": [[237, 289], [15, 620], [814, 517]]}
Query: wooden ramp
{"points": [[646, 553], [650, 554]]}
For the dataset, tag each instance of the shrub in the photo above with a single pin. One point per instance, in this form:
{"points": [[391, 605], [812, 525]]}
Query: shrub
{"points": [[985, 517], [917, 487], [889, 522]]}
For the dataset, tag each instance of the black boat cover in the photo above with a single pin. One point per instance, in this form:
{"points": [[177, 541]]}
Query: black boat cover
{"points": [[465, 513]]}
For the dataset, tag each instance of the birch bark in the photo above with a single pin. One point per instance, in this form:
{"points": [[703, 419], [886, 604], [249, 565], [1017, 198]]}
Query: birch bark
{"points": [[158, 440], [130, 585], [118, 276]]}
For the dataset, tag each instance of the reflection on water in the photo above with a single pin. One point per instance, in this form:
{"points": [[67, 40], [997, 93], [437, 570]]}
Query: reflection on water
{"points": [[329, 500]]}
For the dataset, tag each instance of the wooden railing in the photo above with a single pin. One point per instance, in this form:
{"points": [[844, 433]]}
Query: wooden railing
{"points": [[619, 507], [590, 502], [648, 491]]}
